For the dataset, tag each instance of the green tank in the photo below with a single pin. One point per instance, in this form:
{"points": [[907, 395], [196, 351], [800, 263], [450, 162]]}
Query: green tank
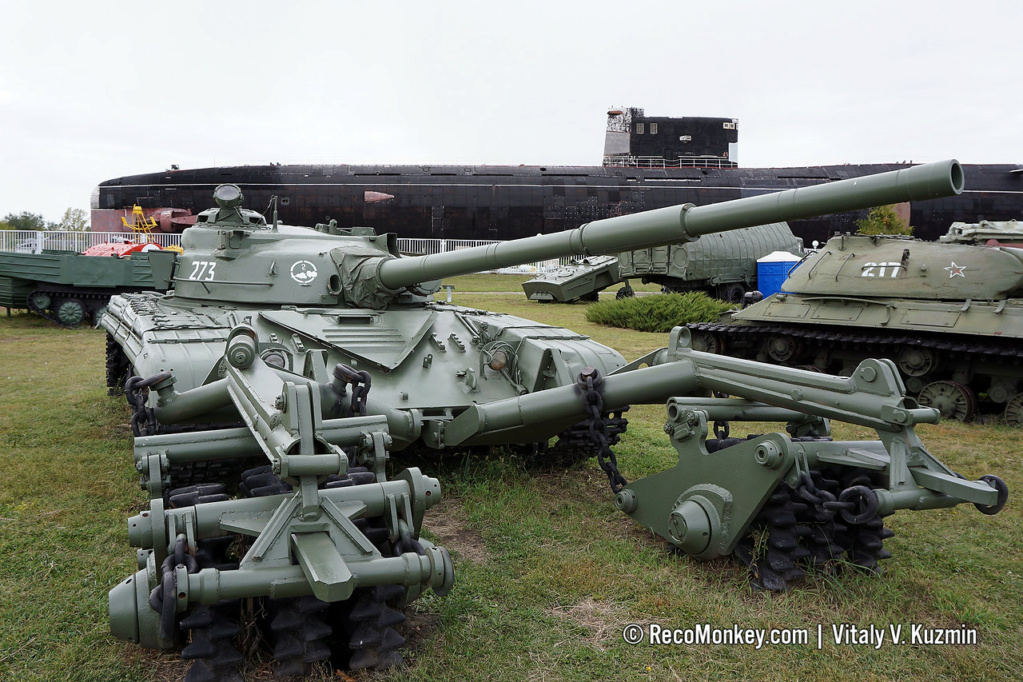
{"points": [[949, 314], [70, 288], [269, 388]]}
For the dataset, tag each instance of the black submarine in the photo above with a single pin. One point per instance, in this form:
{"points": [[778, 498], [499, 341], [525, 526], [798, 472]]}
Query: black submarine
{"points": [[649, 162]]}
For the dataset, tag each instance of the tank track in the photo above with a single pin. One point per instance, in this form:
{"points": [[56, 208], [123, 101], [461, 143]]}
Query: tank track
{"points": [[956, 358], [118, 368], [791, 534]]}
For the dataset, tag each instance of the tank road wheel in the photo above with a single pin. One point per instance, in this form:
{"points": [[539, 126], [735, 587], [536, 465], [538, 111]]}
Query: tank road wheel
{"points": [[782, 348], [97, 316], [1014, 411], [707, 342], [916, 361], [952, 399], [71, 313], [38, 301]]}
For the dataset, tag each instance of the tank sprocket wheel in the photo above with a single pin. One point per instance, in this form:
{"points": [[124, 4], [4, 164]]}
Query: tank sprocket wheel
{"points": [[1014, 411], [38, 301], [707, 342], [952, 399]]}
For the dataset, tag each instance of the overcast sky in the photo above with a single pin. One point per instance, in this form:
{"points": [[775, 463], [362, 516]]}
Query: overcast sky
{"points": [[97, 90]]}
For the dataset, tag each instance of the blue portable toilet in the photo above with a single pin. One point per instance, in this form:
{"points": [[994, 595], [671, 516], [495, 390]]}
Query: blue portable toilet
{"points": [[773, 269]]}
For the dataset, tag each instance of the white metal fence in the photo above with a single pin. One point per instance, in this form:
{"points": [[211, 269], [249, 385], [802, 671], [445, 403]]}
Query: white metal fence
{"points": [[25, 241]]}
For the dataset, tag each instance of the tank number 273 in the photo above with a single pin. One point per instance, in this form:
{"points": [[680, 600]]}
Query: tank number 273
{"points": [[202, 270], [881, 268]]}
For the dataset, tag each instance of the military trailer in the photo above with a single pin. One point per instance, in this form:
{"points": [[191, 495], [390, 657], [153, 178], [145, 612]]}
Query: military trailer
{"points": [[722, 264], [70, 289]]}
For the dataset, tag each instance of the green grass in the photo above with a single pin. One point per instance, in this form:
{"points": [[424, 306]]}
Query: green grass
{"points": [[548, 572]]}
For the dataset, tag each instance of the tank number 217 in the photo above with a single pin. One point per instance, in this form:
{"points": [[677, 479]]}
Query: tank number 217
{"points": [[881, 268], [202, 270]]}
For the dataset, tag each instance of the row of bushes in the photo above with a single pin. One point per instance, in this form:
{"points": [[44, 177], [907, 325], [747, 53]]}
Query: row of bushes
{"points": [[657, 313]]}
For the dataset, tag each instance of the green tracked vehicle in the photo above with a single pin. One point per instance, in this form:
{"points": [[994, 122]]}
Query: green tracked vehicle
{"points": [[949, 314], [70, 288], [269, 388]]}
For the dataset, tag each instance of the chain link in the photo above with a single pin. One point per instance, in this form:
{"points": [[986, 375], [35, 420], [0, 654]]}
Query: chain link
{"points": [[163, 598], [360, 381], [591, 381], [136, 391]]}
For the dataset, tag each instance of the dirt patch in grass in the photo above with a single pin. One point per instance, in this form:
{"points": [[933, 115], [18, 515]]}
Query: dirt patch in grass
{"points": [[448, 522], [418, 630], [602, 619]]}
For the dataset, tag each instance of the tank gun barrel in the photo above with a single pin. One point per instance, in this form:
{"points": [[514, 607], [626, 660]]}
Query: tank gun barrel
{"points": [[683, 223]]}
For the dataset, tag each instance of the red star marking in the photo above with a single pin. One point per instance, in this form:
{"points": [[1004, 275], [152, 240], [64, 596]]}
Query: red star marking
{"points": [[956, 270]]}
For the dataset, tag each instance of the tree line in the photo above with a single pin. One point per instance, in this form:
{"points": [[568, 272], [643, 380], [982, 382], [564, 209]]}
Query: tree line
{"points": [[74, 220]]}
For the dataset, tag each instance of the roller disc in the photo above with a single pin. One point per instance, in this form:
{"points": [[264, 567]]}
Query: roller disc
{"points": [[782, 348], [916, 361], [952, 399], [1014, 411], [70, 313]]}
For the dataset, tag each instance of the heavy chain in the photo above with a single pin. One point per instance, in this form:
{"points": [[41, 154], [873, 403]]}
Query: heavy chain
{"points": [[163, 598], [136, 391], [406, 543], [857, 504], [590, 381], [360, 381]]}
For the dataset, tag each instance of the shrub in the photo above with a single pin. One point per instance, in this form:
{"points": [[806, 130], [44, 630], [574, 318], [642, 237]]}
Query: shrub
{"points": [[658, 313], [883, 220]]}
